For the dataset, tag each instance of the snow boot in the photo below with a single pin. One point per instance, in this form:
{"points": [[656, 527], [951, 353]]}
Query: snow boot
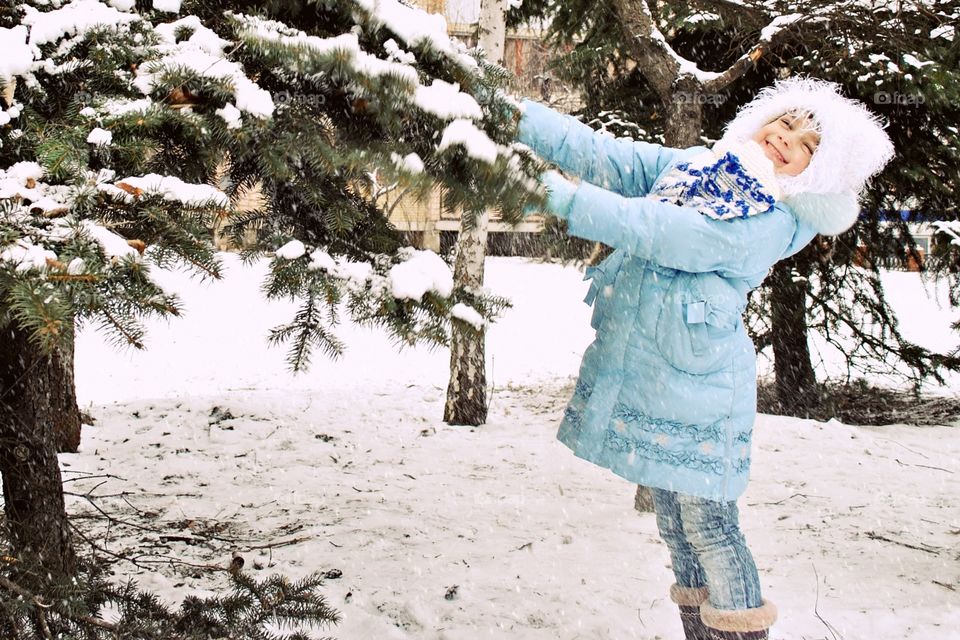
{"points": [[689, 600], [738, 624]]}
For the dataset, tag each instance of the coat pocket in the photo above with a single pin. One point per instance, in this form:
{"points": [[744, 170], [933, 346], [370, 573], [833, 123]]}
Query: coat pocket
{"points": [[699, 322]]}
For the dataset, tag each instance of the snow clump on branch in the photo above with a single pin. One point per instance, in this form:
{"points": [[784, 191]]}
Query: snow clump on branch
{"points": [[202, 53], [170, 187], [420, 273], [75, 18], [477, 144], [417, 27]]}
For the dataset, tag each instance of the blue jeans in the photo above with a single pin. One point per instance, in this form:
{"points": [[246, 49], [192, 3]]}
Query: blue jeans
{"points": [[707, 548]]}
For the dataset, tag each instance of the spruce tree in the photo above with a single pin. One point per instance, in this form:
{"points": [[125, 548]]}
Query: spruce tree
{"points": [[130, 130]]}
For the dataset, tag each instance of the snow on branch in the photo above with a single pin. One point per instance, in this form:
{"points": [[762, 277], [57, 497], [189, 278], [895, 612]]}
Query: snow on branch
{"points": [[346, 47], [75, 18], [469, 315], [734, 9], [420, 282], [446, 101], [113, 245], [409, 275], [420, 272], [945, 31], [40, 213], [416, 27], [203, 53], [770, 36], [21, 47], [169, 187], [24, 254], [17, 56], [777, 25], [950, 228], [476, 143], [442, 99], [660, 63]]}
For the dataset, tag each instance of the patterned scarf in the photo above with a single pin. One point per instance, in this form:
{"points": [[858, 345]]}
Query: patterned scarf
{"points": [[724, 182]]}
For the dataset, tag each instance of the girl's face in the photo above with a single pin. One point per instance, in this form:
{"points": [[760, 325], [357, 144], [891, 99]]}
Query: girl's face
{"points": [[789, 141]]}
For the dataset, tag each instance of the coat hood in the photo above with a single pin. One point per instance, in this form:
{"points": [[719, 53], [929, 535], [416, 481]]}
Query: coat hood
{"points": [[829, 214], [853, 148]]}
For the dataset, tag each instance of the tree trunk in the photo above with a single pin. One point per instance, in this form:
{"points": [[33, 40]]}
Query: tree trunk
{"points": [[33, 393], [684, 114], [467, 389], [795, 381], [64, 412]]}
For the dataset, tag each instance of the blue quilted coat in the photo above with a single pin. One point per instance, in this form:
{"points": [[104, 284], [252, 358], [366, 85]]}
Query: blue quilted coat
{"points": [[666, 395]]}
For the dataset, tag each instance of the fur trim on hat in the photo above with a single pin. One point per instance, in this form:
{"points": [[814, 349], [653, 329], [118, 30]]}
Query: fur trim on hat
{"points": [[853, 145], [688, 596], [829, 213], [739, 620]]}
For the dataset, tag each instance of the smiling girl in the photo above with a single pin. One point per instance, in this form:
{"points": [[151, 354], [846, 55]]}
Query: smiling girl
{"points": [[666, 395]]}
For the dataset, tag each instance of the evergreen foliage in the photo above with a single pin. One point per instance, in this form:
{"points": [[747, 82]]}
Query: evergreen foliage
{"points": [[128, 132], [90, 607], [317, 111]]}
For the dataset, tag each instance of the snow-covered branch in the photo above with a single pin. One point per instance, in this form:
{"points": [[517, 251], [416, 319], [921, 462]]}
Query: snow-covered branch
{"points": [[658, 61], [662, 65], [770, 37], [949, 228]]}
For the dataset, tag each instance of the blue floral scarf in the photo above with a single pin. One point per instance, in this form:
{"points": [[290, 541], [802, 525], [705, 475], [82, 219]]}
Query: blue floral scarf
{"points": [[722, 184]]}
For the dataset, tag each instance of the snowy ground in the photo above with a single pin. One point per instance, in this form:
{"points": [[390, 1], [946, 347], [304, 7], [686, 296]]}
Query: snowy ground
{"points": [[349, 468]]}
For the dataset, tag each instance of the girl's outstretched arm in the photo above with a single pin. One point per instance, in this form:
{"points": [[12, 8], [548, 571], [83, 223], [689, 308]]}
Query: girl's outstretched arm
{"points": [[675, 236], [626, 167]]}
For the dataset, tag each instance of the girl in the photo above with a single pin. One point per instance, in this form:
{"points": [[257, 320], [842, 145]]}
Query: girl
{"points": [[666, 395]]}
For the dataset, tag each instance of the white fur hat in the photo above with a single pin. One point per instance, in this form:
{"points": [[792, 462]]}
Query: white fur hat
{"points": [[853, 148]]}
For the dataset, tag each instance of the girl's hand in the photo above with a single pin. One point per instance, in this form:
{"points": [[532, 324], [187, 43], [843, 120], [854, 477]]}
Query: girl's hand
{"points": [[560, 192]]}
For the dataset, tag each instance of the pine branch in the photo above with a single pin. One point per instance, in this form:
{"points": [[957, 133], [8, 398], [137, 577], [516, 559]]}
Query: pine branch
{"points": [[41, 310], [757, 16], [42, 606], [129, 332], [306, 332]]}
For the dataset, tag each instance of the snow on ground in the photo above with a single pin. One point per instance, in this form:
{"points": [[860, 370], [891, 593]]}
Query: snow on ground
{"points": [[221, 342], [855, 530]]}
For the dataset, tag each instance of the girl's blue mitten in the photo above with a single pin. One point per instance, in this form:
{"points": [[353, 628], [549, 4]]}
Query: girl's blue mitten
{"points": [[560, 192]]}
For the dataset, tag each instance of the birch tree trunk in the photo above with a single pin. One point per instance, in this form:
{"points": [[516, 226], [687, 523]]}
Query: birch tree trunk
{"points": [[467, 389]]}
